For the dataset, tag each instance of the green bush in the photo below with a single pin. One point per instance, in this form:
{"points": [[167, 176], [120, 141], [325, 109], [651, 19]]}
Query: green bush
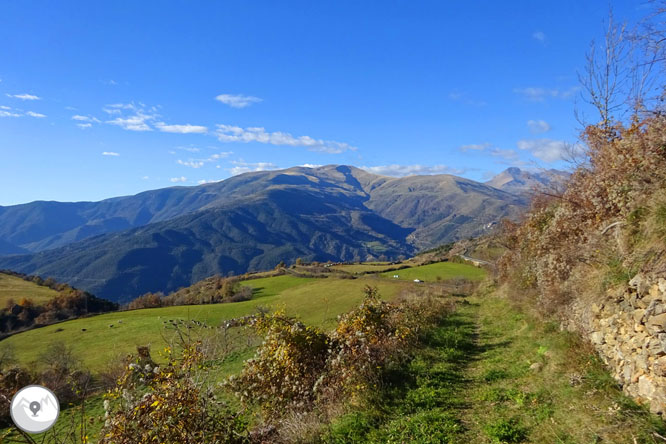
{"points": [[506, 431]]}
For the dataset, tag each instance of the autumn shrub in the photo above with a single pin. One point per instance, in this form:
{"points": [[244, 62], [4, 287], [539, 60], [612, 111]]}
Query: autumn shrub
{"points": [[598, 221], [300, 376], [368, 338], [282, 375], [168, 404]]}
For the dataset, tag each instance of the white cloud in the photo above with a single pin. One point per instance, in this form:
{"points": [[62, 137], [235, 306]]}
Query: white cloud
{"points": [[475, 147], [191, 149], [198, 163], [204, 181], [110, 153], [411, 170], [145, 177], [191, 163], [81, 118], [181, 129], [228, 133], [237, 100], [504, 154], [178, 179], [220, 155], [244, 167], [4, 113], [137, 119], [116, 108], [540, 36], [24, 96], [538, 126], [310, 165], [133, 123], [536, 94], [84, 125], [547, 150]]}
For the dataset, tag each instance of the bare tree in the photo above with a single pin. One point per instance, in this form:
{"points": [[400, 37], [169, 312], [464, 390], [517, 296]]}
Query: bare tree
{"points": [[606, 77]]}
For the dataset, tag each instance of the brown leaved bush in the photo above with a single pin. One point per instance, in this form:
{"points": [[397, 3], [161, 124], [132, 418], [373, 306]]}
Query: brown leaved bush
{"points": [[168, 404], [300, 373], [572, 234]]}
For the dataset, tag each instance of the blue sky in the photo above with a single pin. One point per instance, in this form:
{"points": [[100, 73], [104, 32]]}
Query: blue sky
{"points": [[100, 99]]}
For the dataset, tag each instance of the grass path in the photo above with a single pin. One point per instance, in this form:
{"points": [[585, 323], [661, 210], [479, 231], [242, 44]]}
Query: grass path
{"points": [[532, 383], [491, 374]]}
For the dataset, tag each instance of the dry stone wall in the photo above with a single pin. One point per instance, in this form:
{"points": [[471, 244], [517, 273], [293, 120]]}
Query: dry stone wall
{"points": [[628, 330]]}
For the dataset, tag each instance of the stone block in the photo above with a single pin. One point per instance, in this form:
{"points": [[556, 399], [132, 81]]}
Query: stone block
{"points": [[597, 338]]}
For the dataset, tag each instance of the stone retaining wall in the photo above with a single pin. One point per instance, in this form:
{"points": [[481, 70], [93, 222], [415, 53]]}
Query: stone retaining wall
{"points": [[628, 329]]}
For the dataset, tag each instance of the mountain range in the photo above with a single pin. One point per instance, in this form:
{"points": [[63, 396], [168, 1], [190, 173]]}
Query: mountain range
{"points": [[164, 239]]}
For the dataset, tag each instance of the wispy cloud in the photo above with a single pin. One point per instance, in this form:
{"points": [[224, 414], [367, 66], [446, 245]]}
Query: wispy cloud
{"points": [[181, 129], [84, 125], [475, 147], [178, 179], [81, 118], [131, 117], [191, 149], [509, 154], [537, 94], [5, 113], [24, 96], [459, 96], [411, 170], [228, 133], [540, 36], [117, 108], [548, 150], [204, 181], [237, 100], [245, 167], [190, 163], [538, 126], [110, 153], [198, 163]]}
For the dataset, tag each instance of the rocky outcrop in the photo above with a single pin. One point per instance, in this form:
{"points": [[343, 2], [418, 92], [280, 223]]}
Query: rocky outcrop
{"points": [[628, 329]]}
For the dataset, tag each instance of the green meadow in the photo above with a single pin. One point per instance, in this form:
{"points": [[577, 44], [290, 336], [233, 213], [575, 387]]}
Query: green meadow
{"points": [[438, 271], [15, 288], [98, 340]]}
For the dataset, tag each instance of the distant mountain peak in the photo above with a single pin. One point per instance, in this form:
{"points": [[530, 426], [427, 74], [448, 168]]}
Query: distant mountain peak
{"points": [[517, 181]]}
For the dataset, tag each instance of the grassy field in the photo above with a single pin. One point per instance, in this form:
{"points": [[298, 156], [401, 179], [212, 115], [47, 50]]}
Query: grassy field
{"points": [[273, 286], [443, 270], [315, 301], [12, 287]]}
